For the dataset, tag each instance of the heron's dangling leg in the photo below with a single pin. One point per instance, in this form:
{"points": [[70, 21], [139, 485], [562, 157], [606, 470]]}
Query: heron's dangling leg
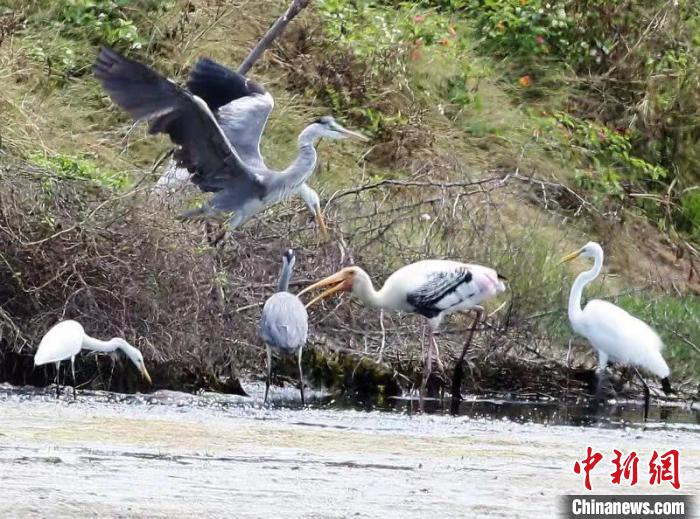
{"points": [[235, 220], [198, 213], [269, 372], [318, 215], [646, 394], [301, 378], [58, 380], [72, 368], [459, 369]]}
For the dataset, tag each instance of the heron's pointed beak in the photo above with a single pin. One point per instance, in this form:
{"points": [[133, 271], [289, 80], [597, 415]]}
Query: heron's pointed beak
{"points": [[146, 376], [571, 256], [321, 222], [349, 133], [354, 135], [341, 282]]}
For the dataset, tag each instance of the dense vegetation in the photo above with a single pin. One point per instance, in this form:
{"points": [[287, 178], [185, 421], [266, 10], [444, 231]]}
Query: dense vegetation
{"points": [[506, 132]]}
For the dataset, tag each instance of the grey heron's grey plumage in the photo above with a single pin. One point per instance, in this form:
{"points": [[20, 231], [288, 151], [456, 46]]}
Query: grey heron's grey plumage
{"points": [[284, 323], [217, 122]]}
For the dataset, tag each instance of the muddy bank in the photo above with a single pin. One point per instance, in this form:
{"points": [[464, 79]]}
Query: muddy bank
{"points": [[342, 373]]}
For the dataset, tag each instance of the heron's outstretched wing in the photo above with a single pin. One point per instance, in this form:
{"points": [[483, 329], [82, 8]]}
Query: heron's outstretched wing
{"points": [[204, 149], [240, 105]]}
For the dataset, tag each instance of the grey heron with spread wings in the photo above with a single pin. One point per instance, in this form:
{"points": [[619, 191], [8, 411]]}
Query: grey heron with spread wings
{"points": [[217, 122]]}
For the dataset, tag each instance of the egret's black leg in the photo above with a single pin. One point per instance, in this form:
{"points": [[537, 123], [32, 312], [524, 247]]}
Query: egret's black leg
{"points": [[600, 377], [72, 368], [666, 386], [269, 372], [646, 394], [301, 378], [58, 379], [458, 371]]}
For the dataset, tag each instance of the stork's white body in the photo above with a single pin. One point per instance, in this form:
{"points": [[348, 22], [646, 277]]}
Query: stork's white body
{"points": [[431, 288], [397, 289]]}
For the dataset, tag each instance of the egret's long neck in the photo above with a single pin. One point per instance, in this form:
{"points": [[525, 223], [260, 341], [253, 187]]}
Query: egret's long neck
{"points": [[90, 343], [363, 289], [302, 167], [575, 312]]}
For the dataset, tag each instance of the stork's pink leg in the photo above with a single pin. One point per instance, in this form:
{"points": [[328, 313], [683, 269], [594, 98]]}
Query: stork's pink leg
{"points": [[427, 366], [438, 360]]}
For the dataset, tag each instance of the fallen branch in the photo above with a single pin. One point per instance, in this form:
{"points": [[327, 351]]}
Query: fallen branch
{"points": [[273, 32]]}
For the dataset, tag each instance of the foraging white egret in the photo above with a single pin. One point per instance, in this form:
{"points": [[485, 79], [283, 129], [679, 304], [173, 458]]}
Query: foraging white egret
{"points": [[615, 334], [284, 324], [431, 288], [65, 340]]}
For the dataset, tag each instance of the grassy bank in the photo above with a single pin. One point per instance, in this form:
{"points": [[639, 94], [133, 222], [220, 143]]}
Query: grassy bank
{"points": [[472, 157]]}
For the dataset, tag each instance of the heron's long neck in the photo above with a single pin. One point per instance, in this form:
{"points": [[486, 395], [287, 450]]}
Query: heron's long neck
{"points": [[90, 343], [575, 312], [303, 165], [364, 290], [285, 276]]}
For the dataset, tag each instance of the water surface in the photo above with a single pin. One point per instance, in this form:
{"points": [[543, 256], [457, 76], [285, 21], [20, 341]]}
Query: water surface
{"points": [[171, 454]]}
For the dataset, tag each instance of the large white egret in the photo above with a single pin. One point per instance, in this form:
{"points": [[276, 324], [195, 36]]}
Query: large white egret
{"points": [[284, 324], [615, 334], [65, 340], [431, 288]]}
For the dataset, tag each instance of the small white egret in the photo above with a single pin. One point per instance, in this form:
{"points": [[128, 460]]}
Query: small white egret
{"points": [[284, 324], [615, 334], [431, 288], [65, 340]]}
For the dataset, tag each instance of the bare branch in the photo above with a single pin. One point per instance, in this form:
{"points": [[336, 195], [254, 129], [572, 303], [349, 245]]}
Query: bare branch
{"points": [[272, 33]]}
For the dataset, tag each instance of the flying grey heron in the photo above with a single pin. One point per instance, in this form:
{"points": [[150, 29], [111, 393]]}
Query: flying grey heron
{"points": [[217, 123], [65, 340], [284, 323], [431, 288], [175, 179]]}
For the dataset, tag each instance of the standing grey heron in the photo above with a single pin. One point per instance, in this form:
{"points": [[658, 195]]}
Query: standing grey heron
{"points": [[284, 323], [217, 122], [65, 340]]}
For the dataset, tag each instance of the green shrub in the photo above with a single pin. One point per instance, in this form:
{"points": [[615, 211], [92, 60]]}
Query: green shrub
{"points": [[66, 167]]}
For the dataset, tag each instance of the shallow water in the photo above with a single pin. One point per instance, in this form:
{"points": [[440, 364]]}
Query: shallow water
{"points": [[171, 454]]}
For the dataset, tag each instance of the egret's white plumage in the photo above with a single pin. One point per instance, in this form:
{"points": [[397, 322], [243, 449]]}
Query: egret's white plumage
{"points": [[614, 333], [431, 288], [67, 338], [62, 342]]}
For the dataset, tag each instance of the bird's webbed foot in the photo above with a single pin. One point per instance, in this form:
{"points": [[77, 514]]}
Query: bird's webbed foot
{"points": [[198, 214]]}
